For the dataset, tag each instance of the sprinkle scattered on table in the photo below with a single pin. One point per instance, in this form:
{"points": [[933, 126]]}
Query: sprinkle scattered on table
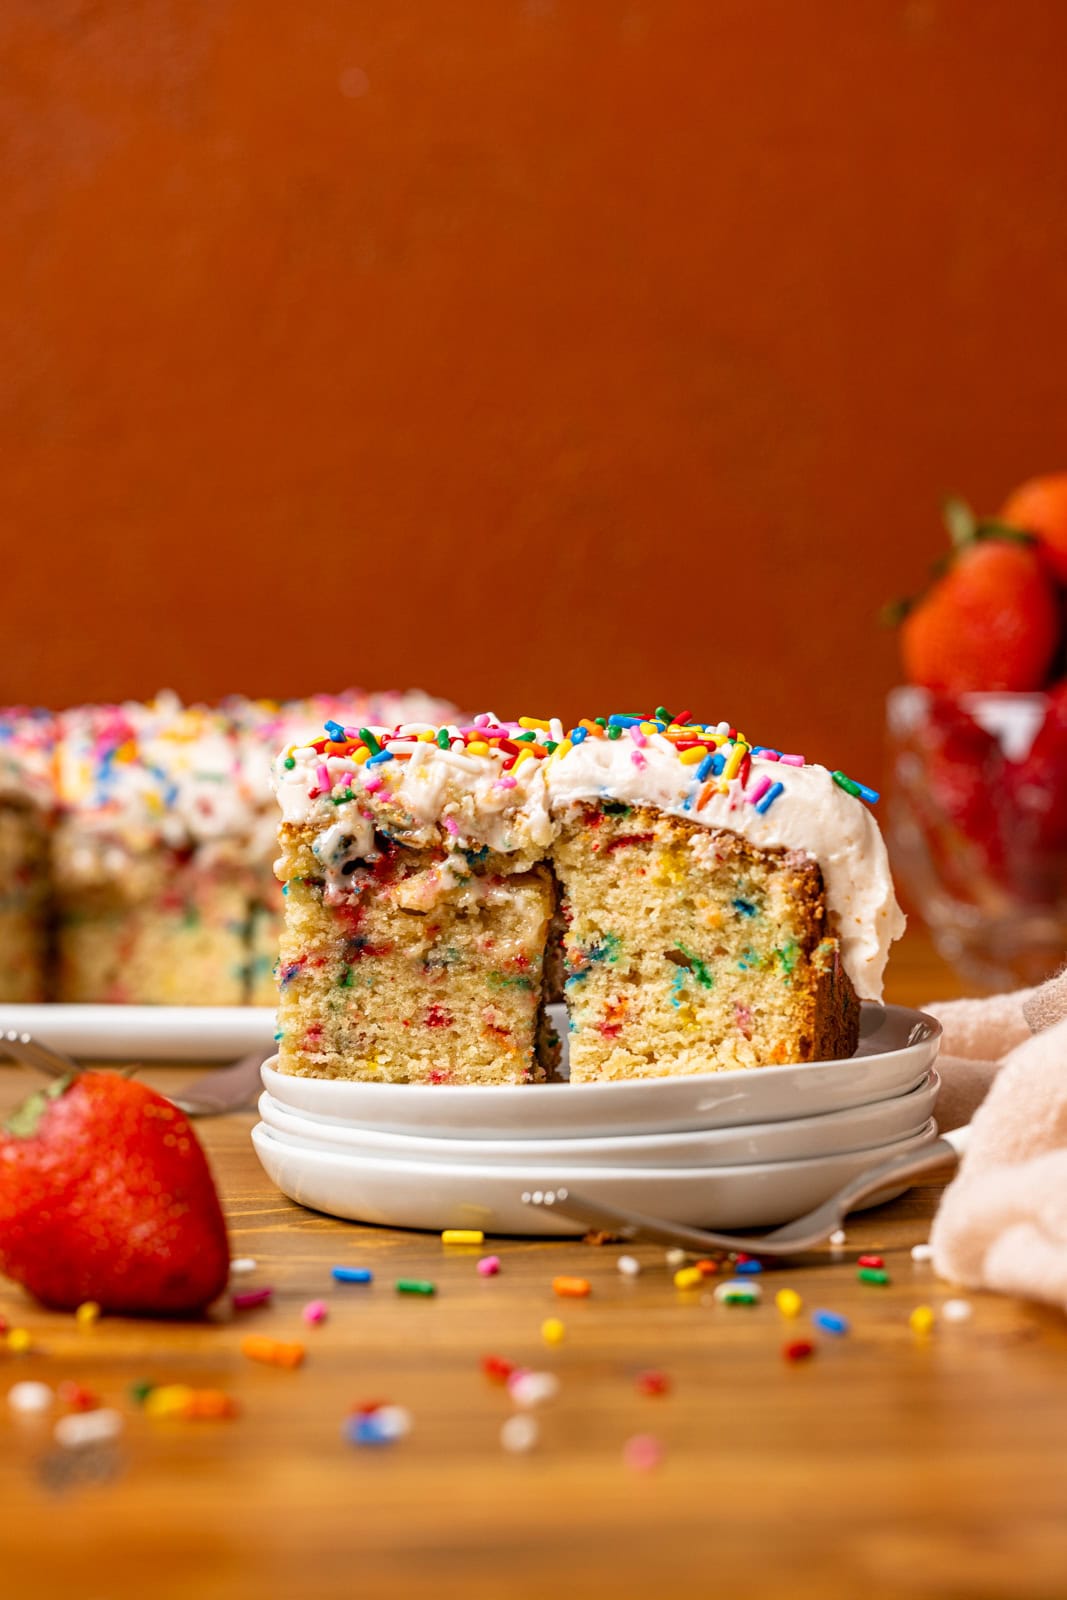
{"points": [[642, 1453], [629, 1266], [249, 1299], [571, 1288], [314, 1312], [352, 1274], [421, 1286], [519, 1434], [553, 1331], [273, 1352], [922, 1319], [489, 1266], [463, 1236], [788, 1302], [830, 1322], [798, 1350], [957, 1310]]}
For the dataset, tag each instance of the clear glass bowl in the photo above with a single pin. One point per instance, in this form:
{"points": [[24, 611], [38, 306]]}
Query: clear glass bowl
{"points": [[977, 827]]}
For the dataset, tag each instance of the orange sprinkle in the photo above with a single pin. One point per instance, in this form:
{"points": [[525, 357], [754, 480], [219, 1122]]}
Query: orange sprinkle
{"points": [[210, 1404], [571, 1288], [275, 1352], [706, 1268], [706, 793]]}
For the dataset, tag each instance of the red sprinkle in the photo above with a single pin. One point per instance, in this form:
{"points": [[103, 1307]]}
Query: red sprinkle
{"points": [[497, 1369], [77, 1397], [653, 1383], [367, 1408], [870, 1261], [250, 1298], [798, 1350]]}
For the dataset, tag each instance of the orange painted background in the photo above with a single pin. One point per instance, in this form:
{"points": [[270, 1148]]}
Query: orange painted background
{"points": [[549, 355]]}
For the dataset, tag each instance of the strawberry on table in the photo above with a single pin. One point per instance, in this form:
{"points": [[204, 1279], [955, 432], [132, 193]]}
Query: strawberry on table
{"points": [[106, 1196]]}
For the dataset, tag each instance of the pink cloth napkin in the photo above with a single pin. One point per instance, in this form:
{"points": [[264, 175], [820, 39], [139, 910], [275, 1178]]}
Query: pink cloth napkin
{"points": [[1002, 1223]]}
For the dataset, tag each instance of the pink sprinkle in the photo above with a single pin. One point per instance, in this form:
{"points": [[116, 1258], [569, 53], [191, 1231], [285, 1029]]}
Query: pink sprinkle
{"points": [[507, 782], [769, 755], [451, 826], [793, 761], [638, 759], [636, 735], [482, 721], [250, 1298], [642, 1453], [323, 776], [759, 790], [315, 1311], [489, 1266], [372, 785]]}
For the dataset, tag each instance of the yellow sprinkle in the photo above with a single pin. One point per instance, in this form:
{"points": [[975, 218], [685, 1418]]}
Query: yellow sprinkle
{"points": [[553, 1331], [361, 755], [734, 760], [463, 1236], [649, 727], [87, 1313], [535, 722], [922, 1319], [688, 1278], [477, 747], [527, 755], [426, 738], [561, 749], [691, 758], [788, 1302], [169, 1400], [19, 1340]]}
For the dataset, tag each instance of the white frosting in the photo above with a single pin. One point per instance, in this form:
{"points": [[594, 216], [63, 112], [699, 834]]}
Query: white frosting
{"points": [[466, 801]]}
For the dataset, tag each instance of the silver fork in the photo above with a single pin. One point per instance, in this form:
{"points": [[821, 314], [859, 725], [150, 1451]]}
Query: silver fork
{"points": [[814, 1228], [210, 1094]]}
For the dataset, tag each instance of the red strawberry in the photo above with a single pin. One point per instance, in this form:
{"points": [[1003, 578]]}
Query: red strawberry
{"points": [[963, 808], [1040, 507], [1038, 788], [106, 1195], [991, 621]]}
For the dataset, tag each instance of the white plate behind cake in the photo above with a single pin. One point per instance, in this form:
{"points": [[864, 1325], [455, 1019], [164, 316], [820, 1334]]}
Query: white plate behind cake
{"points": [[896, 1050], [801, 1138], [435, 1195], [145, 1033]]}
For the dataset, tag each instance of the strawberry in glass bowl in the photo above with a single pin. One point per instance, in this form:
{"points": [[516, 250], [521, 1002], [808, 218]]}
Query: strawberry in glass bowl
{"points": [[977, 817]]}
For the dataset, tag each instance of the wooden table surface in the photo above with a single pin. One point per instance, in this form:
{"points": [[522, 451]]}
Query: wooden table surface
{"points": [[885, 1465]]}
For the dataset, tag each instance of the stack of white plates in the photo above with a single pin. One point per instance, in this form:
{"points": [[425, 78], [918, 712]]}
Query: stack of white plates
{"points": [[729, 1150]]}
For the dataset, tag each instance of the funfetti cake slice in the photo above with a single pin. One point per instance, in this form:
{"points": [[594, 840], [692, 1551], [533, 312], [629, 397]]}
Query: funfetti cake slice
{"points": [[722, 904], [27, 740]]}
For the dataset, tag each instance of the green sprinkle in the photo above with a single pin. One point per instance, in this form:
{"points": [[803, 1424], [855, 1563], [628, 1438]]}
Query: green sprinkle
{"points": [[526, 738], [345, 980], [290, 763], [550, 745], [601, 722], [614, 732], [370, 741], [872, 1275], [339, 799], [140, 1391], [740, 1297], [443, 740], [415, 1286], [663, 715], [846, 784]]}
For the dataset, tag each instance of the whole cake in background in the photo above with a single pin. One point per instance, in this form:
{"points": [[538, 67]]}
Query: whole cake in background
{"points": [[138, 842], [716, 904]]}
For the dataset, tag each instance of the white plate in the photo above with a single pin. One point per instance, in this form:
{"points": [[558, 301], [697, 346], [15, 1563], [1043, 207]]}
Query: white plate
{"points": [[435, 1195], [896, 1051], [859, 1128], [145, 1033]]}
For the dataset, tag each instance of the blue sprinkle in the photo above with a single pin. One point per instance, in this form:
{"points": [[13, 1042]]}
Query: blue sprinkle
{"points": [[870, 795], [383, 755], [746, 908], [365, 1430], [705, 768], [830, 1321], [687, 803], [768, 799], [618, 721], [718, 761], [352, 1275], [336, 732], [749, 1267], [578, 735]]}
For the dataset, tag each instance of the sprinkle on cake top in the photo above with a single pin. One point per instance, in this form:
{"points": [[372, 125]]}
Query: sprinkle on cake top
{"points": [[494, 783]]}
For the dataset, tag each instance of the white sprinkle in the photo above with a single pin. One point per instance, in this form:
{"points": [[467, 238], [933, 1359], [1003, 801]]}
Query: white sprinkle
{"points": [[922, 1252], [837, 1238], [532, 1388], [519, 1434], [724, 1291], [29, 1398], [394, 1422], [956, 1310], [629, 1266], [243, 1264], [87, 1427], [677, 1258]]}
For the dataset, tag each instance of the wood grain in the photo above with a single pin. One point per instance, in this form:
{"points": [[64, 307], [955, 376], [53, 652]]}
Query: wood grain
{"points": [[883, 1466]]}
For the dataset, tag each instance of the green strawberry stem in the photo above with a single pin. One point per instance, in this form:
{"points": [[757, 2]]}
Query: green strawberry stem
{"points": [[964, 530], [26, 1118]]}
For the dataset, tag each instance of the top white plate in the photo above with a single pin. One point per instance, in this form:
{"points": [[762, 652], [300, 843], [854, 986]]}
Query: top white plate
{"points": [[897, 1048]]}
